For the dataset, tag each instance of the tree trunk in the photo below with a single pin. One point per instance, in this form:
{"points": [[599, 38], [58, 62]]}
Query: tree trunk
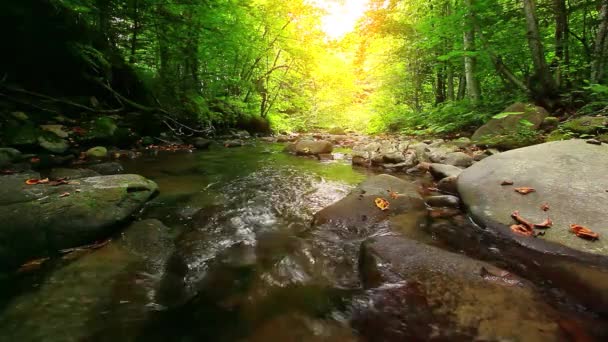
{"points": [[545, 87], [462, 87], [134, 31], [450, 81], [470, 60], [601, 41], [561, 43]]}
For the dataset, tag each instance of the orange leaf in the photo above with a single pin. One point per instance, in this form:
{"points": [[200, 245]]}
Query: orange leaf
{"points": [[584, 232], [525, 190], [381, 203], [393, 194], [32, 181], [522, 229], [545, 224]]}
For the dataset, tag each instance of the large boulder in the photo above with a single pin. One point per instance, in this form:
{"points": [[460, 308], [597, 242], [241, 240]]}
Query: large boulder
{"points": [[508, 130], [448, 296], [358, 209], [570, 176], [313, 147], [586, 125], [9, 155], [45, 218]]}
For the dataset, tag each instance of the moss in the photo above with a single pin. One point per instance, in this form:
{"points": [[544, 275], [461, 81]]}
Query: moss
{"points": [[586, 125], [103, 127], [21, 133], [524, 136], [603, 138], [558, 135]]}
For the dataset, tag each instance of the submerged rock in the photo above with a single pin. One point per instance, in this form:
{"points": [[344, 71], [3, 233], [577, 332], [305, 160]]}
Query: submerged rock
{"points": [[418, 292], [45, 219], [105, 294], [567, 175]]}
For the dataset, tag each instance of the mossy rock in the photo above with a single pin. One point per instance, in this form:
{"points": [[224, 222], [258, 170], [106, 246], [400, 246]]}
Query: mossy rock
{"points": [[522, 138], [586, 125], [550, 123], [52, 143], [510, 123], [337, 131], [603, 138], [102, 128], [98, 152], [17, 134], [558, 135]]}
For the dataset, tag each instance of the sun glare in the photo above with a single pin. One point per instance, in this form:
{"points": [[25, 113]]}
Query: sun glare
{"points": [[342, 15]]}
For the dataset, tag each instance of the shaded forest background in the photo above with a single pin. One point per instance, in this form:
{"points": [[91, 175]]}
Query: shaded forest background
{"points": [[420, 67]]}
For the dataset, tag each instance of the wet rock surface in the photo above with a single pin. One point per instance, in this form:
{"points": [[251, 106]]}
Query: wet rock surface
{"points": [[421, 292], [358, 209], [46, 218], [117, 284]]}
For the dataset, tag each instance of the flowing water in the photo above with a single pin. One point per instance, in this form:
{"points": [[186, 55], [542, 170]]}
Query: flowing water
{"points": [[237, 262]]}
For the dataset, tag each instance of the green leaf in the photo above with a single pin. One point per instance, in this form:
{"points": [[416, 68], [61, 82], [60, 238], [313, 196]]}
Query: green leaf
{"points": [[505, 114], [526, 123]]}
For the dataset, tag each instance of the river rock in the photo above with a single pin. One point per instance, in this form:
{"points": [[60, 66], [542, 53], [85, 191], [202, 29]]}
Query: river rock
{"points": [[568, 175], [58, 130], [44, 219], [9, 155], [54, 145], [233, 143], [445, 201], [98, 152], [122, 277], [441, 171], [417, 292], [359, 210], [313, 147], [110, 168], [59, 173], [337, 131], [201, 143], [448, 185], [500, 128], [459, 159]]}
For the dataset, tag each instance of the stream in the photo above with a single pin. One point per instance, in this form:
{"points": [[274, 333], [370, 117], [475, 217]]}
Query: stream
{"points": [[239, 260]]}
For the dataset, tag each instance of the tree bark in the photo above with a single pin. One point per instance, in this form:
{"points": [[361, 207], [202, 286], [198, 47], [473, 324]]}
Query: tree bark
{"points": [[470, 60], [450, 81], [598, 63], [561, 43], [462, 87], [546, 85]]}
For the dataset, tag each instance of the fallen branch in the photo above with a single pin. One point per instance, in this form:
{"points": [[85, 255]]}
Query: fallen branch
{"points": [[62, 101]]}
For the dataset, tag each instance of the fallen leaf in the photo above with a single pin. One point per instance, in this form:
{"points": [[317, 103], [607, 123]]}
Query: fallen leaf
{"points": [[519, 219], [65, 194], [522, 229], [8, 172], [545, 224], [393, 194], [544, 207], [506, 182], [34, 181], [32, 265], [525, 190], [381, 203], [59, 181], [35, 160], [584, 232]]}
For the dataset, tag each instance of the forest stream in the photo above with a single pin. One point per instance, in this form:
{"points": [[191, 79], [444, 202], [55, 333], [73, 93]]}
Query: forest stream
{"points": [[238, 260]]}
